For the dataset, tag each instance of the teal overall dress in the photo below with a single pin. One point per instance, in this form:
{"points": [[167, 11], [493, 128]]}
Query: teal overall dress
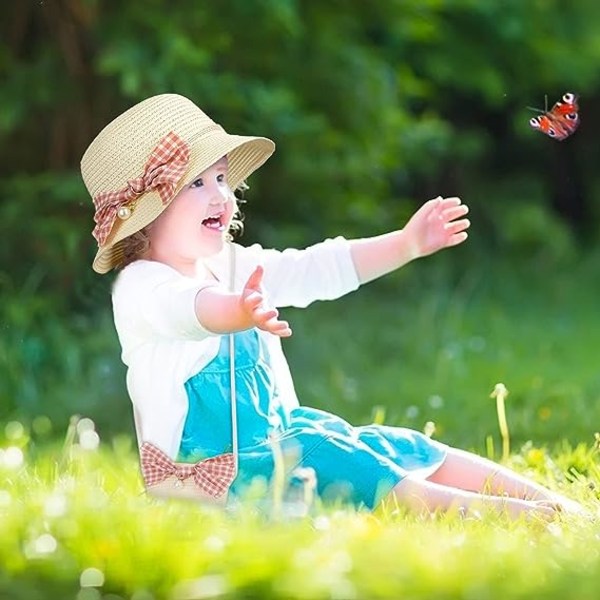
{"points": [[359, 465]]}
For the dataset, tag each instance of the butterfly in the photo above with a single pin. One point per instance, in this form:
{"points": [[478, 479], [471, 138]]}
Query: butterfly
{"points": [[561, 121]]}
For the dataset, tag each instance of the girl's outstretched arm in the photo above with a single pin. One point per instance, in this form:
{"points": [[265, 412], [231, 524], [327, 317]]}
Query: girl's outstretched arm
{"points": [[438, 224], [220, 311]]}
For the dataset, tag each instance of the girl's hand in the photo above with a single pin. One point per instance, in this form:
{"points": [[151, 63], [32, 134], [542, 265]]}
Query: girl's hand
{"points": [[254, 304], [436, 225]]}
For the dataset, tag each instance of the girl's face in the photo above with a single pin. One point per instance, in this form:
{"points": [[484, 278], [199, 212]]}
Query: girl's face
{"points": [[195, 223]]}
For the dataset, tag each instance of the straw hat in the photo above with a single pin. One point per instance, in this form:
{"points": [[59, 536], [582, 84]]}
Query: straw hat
{"points": [[139, 162]]}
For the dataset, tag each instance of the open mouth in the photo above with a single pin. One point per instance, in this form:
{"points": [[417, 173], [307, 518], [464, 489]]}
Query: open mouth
{"points": [[214, 222]]}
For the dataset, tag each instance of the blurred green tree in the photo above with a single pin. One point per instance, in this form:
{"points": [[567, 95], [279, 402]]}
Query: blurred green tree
{"points": [[375, 106]]}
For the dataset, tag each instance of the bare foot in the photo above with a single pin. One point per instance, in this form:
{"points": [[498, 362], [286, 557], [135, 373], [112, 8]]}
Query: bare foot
{"points": [[531, 509], [569, 507]]}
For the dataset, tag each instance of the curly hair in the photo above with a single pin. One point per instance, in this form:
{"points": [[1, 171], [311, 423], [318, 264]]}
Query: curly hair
{"points": [[134, 247], [137, 245]]}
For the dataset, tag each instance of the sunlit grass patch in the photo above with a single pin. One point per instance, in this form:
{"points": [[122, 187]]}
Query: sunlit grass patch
{"points": [[75, 523]]}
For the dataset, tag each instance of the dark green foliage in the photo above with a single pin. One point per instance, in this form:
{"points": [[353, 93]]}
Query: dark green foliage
{"points": [[375, 107]]}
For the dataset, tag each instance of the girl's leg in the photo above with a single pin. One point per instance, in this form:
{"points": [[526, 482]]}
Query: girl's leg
{"points": [[425, 496], [469, 471]]}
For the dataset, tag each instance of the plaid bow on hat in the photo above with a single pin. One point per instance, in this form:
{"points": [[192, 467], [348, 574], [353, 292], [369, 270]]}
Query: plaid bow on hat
{"points": [[162, 172], [212, 475]]}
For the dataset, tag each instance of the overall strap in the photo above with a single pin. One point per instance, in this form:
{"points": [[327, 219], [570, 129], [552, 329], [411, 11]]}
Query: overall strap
{"points": [[234, 433]]}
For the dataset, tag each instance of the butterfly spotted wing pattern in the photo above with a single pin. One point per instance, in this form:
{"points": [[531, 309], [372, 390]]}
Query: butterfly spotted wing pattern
{"points": [[561, 120]]}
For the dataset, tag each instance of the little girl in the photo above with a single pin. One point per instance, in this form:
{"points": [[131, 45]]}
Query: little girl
{"points": [[200, 332]]}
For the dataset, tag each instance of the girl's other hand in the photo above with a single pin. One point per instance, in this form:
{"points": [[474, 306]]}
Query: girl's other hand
{"points": [[437, 224], [255, 305]]}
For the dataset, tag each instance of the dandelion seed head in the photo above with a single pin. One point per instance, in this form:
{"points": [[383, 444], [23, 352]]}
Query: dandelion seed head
{"points": [[89, 440], [14, 430], [499, 390], [41, 546], [85, 424], [45, 544], [429, 428], [12, 457], [55, 505], [91, 577]]}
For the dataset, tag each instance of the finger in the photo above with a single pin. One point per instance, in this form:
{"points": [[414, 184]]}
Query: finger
{"points": [[252, 300], [457, 238], [452, 201], [255, 279], [283, 333], [263, 315], [457, 226], [430, 205], [447, 210], [277, 327], [281, 328], [455, 212]]}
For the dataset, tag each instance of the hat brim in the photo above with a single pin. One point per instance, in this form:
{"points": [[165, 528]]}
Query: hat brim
{"points": [[245, 154]]}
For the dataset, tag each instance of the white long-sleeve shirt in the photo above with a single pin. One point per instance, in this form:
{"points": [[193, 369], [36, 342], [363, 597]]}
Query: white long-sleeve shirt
{"points": [[163, 344]]}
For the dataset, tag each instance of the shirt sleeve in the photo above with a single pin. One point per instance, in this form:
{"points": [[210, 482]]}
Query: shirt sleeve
{"points": [[298, 277], [154, 300]]}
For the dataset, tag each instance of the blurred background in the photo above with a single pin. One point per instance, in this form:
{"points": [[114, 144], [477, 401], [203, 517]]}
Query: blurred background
{"points": [[375, 106]]}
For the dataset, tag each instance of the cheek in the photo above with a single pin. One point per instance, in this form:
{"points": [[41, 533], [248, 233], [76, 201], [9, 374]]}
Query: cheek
{"points": [[157, 231], [168, 227], [232, 205]]}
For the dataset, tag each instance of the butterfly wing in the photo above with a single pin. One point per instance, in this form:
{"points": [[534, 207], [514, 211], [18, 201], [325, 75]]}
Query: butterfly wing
{"points": [[561, 120]]}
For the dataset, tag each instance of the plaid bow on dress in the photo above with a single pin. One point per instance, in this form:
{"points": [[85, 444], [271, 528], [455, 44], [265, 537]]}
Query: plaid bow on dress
{"points": [[162, 172], [214, 475]]}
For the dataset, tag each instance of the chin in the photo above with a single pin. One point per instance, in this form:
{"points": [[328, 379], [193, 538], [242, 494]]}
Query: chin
{"points": [[211, 247]]}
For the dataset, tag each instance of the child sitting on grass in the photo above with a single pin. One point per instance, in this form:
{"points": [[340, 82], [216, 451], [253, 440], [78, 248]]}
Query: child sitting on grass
{"points": [[197, 318]]}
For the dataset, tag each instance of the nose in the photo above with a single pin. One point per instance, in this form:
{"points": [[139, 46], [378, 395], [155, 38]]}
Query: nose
{"points": [[216, 198]]}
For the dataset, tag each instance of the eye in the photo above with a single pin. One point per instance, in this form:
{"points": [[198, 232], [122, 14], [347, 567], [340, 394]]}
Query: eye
{"points": [[197, 183], [221, 178]]}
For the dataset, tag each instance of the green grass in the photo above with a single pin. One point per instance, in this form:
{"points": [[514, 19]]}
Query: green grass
{"points": [[74, 523], [429, 345]]}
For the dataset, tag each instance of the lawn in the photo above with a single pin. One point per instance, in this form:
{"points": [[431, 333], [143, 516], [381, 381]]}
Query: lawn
{"points": [[430, 343], [74, 523]]}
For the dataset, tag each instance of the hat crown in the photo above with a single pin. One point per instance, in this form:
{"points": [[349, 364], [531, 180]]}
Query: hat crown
{"points": [[120, 150]]}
